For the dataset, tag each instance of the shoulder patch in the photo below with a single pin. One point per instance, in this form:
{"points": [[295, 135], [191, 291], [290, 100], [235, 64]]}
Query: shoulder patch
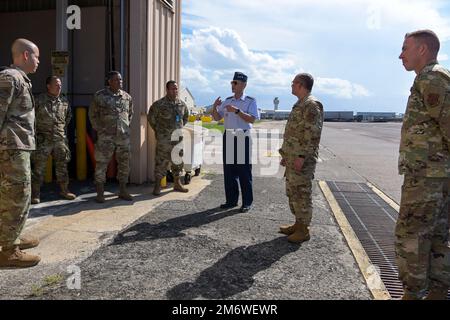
{"points": [[229, 98], [250, 98], [433, 99], [11, 73]]}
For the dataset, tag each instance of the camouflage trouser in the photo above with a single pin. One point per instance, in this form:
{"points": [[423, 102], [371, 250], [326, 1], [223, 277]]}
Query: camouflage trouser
{"points": [[61, 157], [104, 150], [422, 248], [299, 191], [15, 194], [164, 160]]}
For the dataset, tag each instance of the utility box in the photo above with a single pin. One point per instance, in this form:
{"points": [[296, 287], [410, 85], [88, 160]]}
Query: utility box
{"points": [[193, 140]]}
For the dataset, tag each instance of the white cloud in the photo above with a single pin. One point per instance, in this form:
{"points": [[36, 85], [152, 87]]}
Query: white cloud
{"points": [[350, 46], [415, 14], [269, 23], [191, 75], [443, 57], [214, 48], [373, 17], [212, 55], [341, 88]]}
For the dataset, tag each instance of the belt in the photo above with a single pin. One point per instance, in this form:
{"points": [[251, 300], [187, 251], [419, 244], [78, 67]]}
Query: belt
{"points": [[236, 130]]}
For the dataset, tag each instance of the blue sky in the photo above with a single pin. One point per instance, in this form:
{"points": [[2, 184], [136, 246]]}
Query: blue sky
{"points": [[351, 47]]}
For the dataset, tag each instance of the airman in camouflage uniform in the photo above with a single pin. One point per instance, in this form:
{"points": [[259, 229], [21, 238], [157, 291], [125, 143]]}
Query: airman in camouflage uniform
{"points": [[166, 116], [53, 115], [299, 154], [110, 113], [422, 248], [17, 141]]}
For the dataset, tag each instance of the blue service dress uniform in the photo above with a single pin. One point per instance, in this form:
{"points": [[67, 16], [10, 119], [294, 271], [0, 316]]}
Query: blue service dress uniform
{"points": [[237, 164]]}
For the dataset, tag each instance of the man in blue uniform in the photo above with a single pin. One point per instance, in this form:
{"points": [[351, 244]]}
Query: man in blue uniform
{"points": [[239, 112]]}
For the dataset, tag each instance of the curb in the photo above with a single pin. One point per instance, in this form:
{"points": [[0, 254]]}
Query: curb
{"points": [[368, 270], [383, 196]]}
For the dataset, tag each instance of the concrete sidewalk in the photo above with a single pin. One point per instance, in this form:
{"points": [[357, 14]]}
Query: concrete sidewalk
{"points": [[71, 231], [184, 247]]}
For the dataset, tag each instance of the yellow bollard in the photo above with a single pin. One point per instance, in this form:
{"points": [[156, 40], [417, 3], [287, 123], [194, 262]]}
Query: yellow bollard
{"points": [[81, 117], [164, 182], [49, 170], [207, 119]]}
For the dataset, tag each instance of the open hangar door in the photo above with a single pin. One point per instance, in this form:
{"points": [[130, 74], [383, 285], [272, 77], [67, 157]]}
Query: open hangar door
{"points": [[93, 50]]}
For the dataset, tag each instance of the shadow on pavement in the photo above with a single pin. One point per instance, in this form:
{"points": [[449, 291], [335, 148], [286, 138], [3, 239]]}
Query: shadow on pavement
{"points": [[53, 205], [171, 228], [234, 273]]}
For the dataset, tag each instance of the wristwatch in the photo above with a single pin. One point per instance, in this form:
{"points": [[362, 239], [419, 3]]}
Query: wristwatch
{"points": [[238, 111]]}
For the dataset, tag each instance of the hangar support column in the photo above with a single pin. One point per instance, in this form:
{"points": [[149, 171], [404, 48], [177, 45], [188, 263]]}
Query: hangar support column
{"points": [[62, 34], [138, 78]]}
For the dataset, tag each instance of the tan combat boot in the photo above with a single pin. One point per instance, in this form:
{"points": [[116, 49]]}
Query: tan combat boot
{"points": [[100, 193], [65, 193], [28, 243], [35, 194], [300, 234], [12, 257], [177, 185], [157, 188], [124, 194], [409, 296], [437, 293], [287, 230]]}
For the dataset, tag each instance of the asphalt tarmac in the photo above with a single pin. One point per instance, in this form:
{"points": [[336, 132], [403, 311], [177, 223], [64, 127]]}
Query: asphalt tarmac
{"points": [[184, 247]]}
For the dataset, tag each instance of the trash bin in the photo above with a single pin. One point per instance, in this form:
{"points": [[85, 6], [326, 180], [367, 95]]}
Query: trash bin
{"points": [[193, 140]]}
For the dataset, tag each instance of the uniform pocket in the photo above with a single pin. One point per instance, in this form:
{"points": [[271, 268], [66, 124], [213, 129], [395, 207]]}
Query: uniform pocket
{"points": [[62, 152], [61, 114], [18, 166], [26, 99]]}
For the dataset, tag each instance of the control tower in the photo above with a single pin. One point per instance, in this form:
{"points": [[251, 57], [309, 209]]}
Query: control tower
{"points": [[276, 103]]}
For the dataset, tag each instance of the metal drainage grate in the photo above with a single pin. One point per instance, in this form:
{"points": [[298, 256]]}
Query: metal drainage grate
{"points": [[373, 221]]}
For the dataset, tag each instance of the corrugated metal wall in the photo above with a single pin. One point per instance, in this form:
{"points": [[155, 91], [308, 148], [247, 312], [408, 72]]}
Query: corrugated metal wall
{"points": [[164, 57], [164, 43], [155, 31], [153, 45]]}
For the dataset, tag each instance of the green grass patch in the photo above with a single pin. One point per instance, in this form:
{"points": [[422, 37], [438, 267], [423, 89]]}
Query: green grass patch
{"points": [[48, 282], [53, 280], [214, 126], [217, 126], [36, 291]]}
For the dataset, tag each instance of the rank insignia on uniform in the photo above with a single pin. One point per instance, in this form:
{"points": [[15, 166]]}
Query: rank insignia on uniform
{"points": [[433, 99]]}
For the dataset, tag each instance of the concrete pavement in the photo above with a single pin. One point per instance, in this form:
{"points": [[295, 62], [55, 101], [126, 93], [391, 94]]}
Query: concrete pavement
{"points": [[70, 232], [182, 247], [190, 249]]}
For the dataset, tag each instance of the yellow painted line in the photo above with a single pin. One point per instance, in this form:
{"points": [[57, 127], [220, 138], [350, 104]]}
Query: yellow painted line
{"points": [[383, 196], [368, 270]]}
